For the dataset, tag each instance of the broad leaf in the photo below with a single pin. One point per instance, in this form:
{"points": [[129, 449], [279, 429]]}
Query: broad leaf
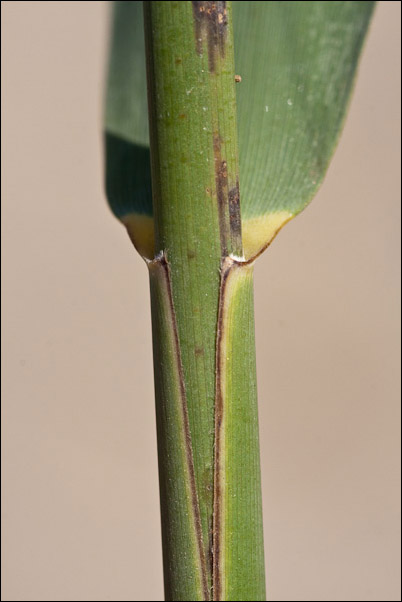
{"points": [[297, 61]]}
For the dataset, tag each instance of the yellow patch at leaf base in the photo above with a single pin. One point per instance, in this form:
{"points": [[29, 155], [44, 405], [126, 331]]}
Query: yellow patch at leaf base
{"points": [[258, 232], [140, 229]]}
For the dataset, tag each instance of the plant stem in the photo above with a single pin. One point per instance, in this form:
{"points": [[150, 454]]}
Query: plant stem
{"points": [[202, 311]]}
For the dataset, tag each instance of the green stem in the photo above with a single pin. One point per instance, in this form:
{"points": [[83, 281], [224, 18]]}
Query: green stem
{"points": [[202, 311], [185, 570]]}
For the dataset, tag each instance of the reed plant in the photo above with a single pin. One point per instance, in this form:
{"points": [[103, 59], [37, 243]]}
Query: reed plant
{"points": [[244, 106]]}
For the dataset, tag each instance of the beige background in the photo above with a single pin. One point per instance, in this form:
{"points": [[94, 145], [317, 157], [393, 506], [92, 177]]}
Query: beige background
{"points": [[81, 517]]}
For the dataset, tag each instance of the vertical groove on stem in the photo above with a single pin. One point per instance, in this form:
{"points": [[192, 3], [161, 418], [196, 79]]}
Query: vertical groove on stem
{"points": [[186, 427], [219, 409]]}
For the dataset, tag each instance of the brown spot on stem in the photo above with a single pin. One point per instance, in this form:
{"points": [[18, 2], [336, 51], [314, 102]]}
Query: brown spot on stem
{"points": [[221, 195], [228, 204], [210, 24], [234, 216]]}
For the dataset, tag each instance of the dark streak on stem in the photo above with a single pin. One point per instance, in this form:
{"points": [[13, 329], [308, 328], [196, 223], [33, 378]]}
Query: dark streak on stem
{"points": [[221, 183], [234, 216], [163, 262], [228, 205], [210, 20]]}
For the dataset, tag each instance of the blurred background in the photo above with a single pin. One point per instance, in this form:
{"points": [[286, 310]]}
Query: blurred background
{"points": [[80, 495]]}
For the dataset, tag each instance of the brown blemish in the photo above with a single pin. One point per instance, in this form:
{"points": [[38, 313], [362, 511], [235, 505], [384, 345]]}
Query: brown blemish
{"points": [[178, 61], [228, 205], [182, 116], [199, 351], [210, 551], [237, 79], [221, 194], [234, 216], [210, 24]]}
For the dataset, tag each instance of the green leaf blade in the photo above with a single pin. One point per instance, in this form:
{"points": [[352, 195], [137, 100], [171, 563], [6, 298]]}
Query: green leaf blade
{"points": [[126, 130], [297, 61]]}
